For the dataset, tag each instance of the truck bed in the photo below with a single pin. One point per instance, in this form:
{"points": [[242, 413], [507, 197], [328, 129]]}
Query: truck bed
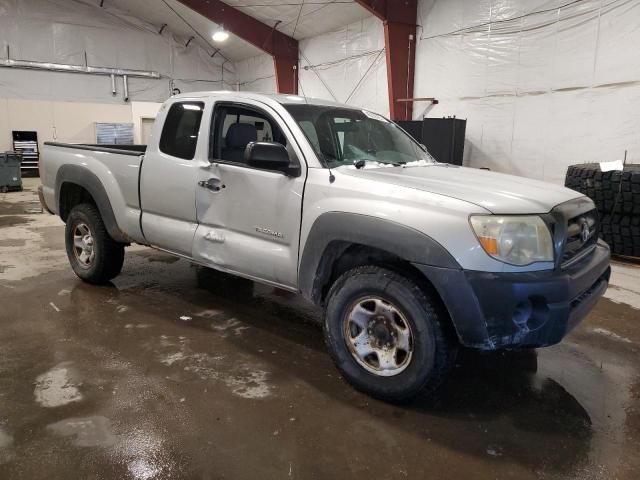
{"points": [[109, 148], [111, 166]]}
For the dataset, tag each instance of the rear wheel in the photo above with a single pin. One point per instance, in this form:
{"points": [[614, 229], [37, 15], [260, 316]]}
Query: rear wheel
{"points": [[94, 256], [386, 335]]}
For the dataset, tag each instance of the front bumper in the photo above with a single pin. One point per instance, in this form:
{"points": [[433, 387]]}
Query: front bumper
{"points": [[514, 310]]}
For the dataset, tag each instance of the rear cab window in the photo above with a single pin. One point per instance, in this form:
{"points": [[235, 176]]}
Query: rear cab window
{"points": [[179, 136]]}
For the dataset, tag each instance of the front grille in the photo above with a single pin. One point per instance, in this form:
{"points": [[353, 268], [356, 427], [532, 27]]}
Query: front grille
{"points": [[580, 241]]}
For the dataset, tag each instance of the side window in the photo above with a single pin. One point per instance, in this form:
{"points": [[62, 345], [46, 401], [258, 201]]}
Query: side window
{"points": [[236, 127], [180, 131]]}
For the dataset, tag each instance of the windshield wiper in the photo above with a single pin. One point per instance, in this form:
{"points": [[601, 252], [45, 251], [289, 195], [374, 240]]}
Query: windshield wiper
{"points": [[362, 162]]}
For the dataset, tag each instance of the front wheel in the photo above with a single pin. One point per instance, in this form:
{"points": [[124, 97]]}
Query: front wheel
{"points": [[387, 337], [94, 256]]}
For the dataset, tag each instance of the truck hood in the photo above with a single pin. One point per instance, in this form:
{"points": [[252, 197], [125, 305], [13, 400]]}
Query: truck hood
{"points": [[496, 192]]}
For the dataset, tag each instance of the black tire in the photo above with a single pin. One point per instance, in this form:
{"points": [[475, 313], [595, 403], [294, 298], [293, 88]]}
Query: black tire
{"points": [[434, 347], [108, 255], [612, 192], [622, 233], [616, 195]]}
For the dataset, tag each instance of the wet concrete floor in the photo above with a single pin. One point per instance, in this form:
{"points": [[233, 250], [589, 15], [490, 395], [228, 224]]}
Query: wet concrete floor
{"points": [[174, 372]]}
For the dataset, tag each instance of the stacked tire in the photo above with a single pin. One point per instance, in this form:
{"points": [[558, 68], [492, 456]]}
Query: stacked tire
{"points": [[617, 198]]}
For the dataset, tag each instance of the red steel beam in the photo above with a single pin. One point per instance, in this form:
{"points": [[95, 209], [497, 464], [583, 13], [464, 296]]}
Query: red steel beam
{"points": [[283, 48], [399, 18]]}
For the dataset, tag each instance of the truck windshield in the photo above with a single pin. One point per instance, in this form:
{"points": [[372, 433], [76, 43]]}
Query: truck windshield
{"points": [[345, 136]]}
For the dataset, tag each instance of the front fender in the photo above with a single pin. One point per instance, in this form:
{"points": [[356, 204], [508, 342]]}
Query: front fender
{"points": [[400, 240]]}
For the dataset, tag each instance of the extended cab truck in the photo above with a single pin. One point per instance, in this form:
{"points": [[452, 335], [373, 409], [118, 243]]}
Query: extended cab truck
{"points": [[410, 258]]}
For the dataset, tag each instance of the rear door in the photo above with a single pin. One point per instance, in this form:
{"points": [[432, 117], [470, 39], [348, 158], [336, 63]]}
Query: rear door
{"points": [[249, 218], [169, 176]]}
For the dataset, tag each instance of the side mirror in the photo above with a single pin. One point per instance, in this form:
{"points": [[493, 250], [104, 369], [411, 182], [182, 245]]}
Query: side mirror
{"points": [[268, 156]]}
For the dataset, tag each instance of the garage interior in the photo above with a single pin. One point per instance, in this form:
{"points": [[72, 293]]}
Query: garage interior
{"points": [[176, 371]]}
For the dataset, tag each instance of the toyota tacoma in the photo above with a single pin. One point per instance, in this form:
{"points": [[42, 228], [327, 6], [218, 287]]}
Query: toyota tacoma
{"points": [[408, 257]]}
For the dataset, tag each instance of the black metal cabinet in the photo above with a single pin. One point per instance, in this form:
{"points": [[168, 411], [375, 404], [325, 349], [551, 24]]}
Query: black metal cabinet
{"points": [[443, 137]]}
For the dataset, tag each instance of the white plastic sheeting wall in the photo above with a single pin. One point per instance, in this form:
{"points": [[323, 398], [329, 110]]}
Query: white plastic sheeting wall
{"points": [[540, 91], [543, 84], [347, 65], [63, 31], [256, 74]]}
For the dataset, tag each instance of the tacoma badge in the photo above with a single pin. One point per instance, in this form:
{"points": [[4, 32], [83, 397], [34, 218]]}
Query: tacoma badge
{"points": [[267, 231]]}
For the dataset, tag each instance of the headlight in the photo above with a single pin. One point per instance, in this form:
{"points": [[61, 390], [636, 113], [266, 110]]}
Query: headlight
{"points": [[518, 240]]}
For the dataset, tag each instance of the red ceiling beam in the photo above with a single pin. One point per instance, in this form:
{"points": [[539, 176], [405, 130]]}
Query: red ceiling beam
{"points": [[400, 18], [283, 48]]}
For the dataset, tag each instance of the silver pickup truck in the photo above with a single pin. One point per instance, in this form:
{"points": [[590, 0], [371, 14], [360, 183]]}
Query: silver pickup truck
{"points": [[410, 258]]}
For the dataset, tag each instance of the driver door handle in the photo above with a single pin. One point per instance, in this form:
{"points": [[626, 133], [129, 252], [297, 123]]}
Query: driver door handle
{"points": [[213, 184]]}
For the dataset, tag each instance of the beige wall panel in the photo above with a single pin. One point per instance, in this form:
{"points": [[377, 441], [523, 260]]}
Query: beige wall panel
{"points": [[30, 115], [5, 132], [69, 122], [141, 111], [75, 122]]}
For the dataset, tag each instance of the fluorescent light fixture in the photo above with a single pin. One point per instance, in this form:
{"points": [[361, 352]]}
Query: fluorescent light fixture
{"points": [[220, 36], [187, 106]]}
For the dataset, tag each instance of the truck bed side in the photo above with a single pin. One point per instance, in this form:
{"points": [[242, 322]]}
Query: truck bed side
{"points": [[109, 174]]}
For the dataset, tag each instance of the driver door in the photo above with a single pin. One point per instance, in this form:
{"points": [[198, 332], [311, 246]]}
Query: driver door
{"points": [[249, 218]]}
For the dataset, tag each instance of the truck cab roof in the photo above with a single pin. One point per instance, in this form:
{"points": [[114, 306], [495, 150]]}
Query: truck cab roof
{"points": [[283, 99]]}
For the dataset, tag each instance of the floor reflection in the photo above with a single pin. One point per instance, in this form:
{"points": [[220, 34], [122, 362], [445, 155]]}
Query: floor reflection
{"points": [[494, 404]]}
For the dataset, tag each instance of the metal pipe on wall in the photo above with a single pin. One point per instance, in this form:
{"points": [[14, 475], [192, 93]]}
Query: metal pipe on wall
{"points": [[113, 85], [125, 88], [63, 67]]}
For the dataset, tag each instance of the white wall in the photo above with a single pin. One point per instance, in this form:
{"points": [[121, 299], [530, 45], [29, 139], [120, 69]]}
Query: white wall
{"points": [[332, 66], [256, 74], [347, 66], [63, 31], [65, 106], [540, 92]]}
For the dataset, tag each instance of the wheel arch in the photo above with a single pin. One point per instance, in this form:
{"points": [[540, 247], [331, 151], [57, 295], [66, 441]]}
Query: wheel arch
{"points": [[340, 241], [75, 185]]}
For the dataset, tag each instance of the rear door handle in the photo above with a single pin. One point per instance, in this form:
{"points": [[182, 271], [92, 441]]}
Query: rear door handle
{"points": [[213, 184]]}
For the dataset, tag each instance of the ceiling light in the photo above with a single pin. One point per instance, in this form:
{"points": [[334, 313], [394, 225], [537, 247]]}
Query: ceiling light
{"points": [[220, 36]]}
